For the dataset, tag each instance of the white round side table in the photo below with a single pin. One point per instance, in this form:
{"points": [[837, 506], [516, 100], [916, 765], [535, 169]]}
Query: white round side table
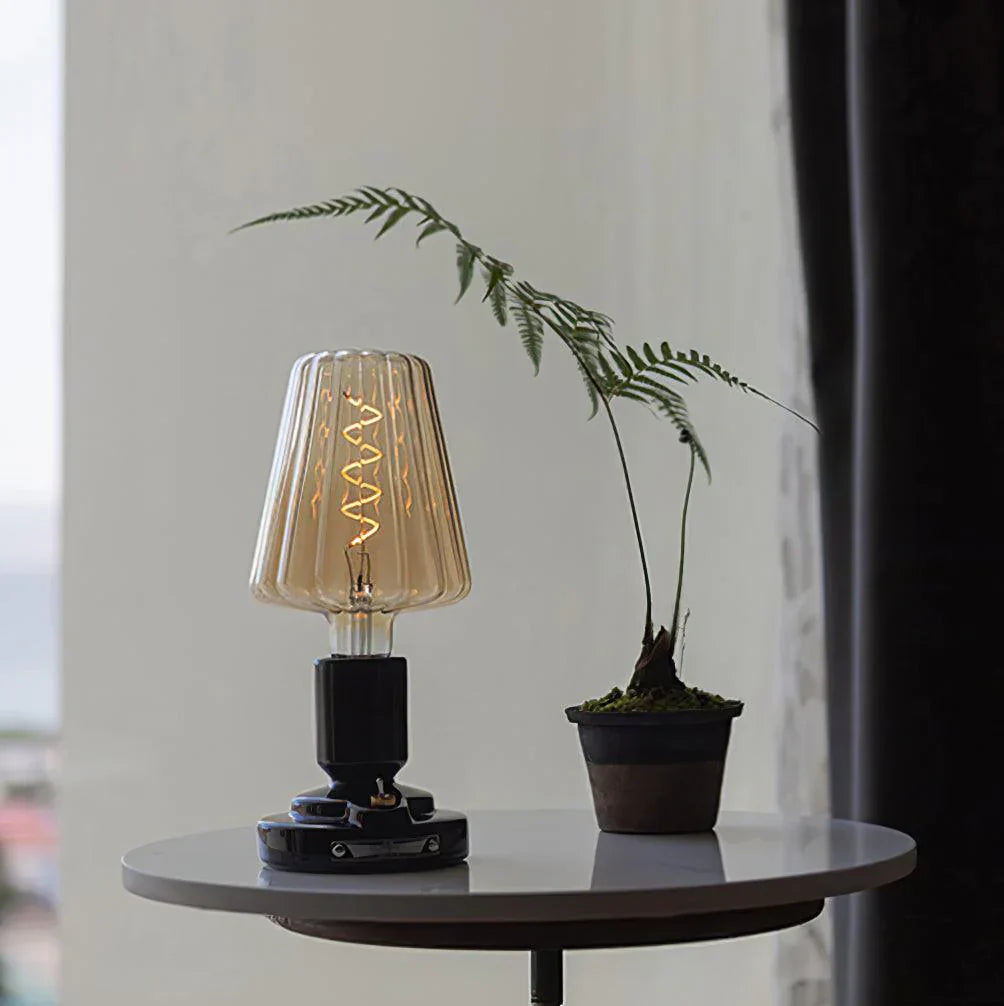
{"points": [[546, 882]]}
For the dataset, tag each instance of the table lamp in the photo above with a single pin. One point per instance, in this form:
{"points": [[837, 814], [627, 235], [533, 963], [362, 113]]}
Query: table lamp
{"points": [[360, 522]]}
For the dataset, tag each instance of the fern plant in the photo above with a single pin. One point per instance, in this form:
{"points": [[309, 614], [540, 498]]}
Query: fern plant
{"points": [[648, 376]]}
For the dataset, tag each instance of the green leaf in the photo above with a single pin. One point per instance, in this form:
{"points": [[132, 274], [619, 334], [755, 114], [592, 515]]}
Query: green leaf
{"points": [[492, 279], [496, 265], [650, 382], [602, 325], [407, 198], [465, 268], [594, 398], [531, 332], [622, 365], [428, 230], [610, 377], [674, 372], [636, 397], [562, 311], [331, 208], [695, 361], [498, 303], [584, 340], [376, 195], [675, 409], [392, 218]]}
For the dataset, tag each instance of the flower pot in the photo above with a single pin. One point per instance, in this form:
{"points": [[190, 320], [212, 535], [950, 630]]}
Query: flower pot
{"points": [[656, 773]]}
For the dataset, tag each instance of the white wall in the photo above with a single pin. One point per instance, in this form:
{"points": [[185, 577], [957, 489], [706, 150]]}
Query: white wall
{"points": [[618, 153]]}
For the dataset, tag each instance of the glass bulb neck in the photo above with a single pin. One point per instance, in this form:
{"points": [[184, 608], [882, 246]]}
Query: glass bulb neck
{"points": [[361, 633]]}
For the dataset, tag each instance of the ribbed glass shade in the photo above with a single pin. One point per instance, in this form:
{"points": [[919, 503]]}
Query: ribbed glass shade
{"points": [[360, 517]]}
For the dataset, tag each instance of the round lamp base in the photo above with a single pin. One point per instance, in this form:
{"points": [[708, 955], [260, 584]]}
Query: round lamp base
{"points": [[322, 834]]}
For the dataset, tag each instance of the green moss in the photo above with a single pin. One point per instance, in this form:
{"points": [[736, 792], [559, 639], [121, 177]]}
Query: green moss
{"points": [[655, 700]]}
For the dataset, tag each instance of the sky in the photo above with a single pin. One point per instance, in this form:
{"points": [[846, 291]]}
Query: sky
{"points": [[30, 250], [30, 310]]}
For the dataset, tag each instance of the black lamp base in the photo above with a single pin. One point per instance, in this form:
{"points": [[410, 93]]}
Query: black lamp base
{"points": [[324, 834], [365, 822]]}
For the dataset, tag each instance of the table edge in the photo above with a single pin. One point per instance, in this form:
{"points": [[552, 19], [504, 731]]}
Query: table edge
{"points": [[552, 906]]}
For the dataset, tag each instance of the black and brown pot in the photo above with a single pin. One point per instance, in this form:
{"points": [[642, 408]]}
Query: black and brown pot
{"points": [[656, 773]]}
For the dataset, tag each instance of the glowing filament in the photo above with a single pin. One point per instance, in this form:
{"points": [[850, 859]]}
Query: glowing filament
{"points": [[319, 467], [355, 472], [398, 447]]}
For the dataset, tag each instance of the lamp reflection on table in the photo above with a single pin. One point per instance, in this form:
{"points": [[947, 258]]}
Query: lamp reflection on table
{"points": [[450, 880]]}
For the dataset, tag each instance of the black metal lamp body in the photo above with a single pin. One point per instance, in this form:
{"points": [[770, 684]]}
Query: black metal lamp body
{"points": [[365, 821]]}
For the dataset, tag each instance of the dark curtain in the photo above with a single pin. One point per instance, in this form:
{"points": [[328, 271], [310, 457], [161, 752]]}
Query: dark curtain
{"points": [[912, 411], [817, 75], [817, 71]]}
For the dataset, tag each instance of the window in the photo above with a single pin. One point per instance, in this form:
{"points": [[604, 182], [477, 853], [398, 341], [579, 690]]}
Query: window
{"points": [[30, 140]]}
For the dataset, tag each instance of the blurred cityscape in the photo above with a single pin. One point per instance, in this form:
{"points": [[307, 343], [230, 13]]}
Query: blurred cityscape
{"points": [[29, 882], [30, 260]]}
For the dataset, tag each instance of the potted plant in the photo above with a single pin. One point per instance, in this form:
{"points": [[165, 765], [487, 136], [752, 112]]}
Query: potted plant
{"points": [[655, 751]]}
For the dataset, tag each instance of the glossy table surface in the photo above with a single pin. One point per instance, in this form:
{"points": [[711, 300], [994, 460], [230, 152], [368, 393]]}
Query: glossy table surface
{"points": [[541, 867]]}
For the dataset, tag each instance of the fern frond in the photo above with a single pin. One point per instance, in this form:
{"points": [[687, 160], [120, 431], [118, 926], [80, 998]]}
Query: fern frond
{"points": [[674, 408], [570, 321], [639, 372], [607, 370], [531, 331], [588, 356], [587, 380], [361, 199], [497, 295]]}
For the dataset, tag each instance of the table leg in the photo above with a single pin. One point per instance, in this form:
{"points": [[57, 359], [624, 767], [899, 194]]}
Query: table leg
{"points": [[546, 977]]}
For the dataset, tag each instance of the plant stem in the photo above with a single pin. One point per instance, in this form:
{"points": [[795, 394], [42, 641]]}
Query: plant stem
{"points": [[683, 545], [648, 633], [647, 636]]}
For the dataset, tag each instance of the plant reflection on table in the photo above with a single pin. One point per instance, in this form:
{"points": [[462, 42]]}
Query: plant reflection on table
{"points": [[636, 862]]}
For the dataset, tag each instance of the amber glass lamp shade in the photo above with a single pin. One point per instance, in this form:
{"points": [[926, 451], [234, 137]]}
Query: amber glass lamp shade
{"points": [[360, 519]]}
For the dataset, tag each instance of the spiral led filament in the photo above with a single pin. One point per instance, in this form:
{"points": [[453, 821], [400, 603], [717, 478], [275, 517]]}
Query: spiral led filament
{"points": [[357, 471]]}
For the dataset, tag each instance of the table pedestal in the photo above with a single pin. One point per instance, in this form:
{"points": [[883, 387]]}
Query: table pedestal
{"points": [[547, 977], [548, 941]]}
